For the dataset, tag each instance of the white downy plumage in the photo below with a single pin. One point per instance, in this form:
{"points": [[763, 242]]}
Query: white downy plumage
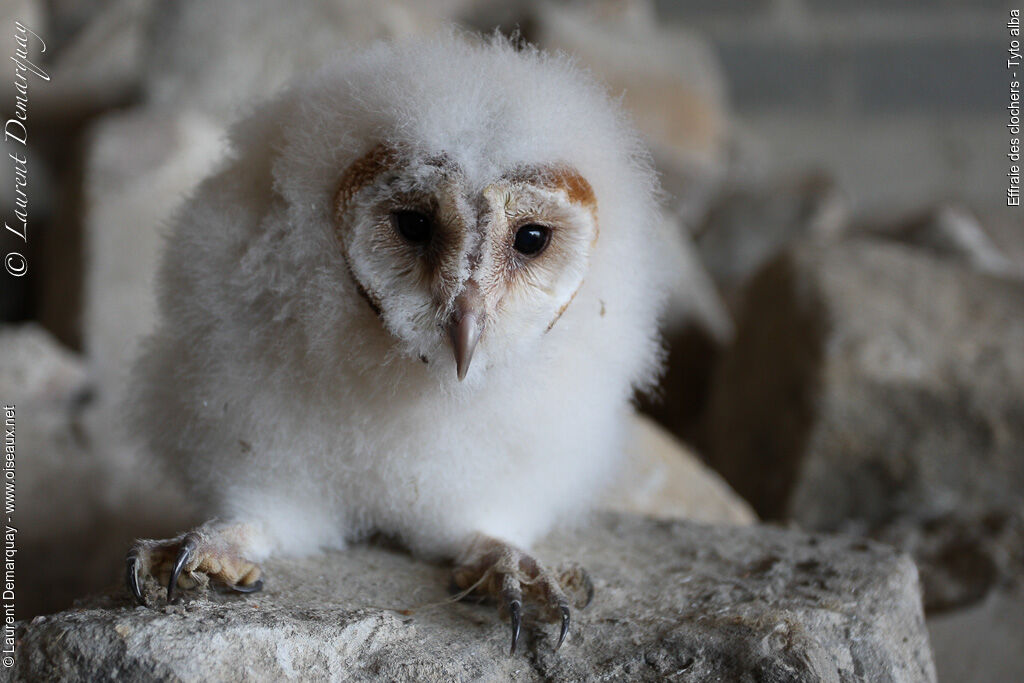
{"points": [[289, 404]]}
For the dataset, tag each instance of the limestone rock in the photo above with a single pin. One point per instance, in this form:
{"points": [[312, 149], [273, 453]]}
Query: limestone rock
{"points": [[30, 13], [964, 555], [673, 600], [1002, 226], [743, 227], [749, 223], [141, 165], [665, 479], [952, 232], [869, 381], [81, 496], [36, 372], [100, 51], [68, 19], [876, 387], [47, 385]]}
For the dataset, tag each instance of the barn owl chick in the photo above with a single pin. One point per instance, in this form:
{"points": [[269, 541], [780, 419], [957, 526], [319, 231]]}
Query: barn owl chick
{"points": [[416, 299]]}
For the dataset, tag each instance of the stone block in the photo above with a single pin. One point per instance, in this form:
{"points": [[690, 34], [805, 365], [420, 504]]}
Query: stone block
{"points": [[673, 600]]}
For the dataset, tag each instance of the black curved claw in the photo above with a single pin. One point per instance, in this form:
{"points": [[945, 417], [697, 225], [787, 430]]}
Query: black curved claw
{"points": [[589, 587], [187, 547], [132, 576], [515, 609], [565, 625], [254, 587]]}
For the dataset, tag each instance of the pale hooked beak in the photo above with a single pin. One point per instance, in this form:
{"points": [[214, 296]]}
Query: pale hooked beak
{"points": [[465, 326]]}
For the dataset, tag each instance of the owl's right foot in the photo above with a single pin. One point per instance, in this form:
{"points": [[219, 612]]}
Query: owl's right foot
{"points": [[508, 575], [209, 552]]}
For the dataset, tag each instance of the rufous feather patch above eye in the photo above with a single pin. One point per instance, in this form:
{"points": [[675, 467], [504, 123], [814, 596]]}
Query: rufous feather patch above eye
{"points": [[565, 178], [360, 174]]}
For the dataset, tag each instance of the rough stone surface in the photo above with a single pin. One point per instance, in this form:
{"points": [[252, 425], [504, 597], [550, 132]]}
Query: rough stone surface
{"points": [[876, 388], [665, 479], [673, 600], [749, 224], [869, 381], [1003, 227], [963, 556], [952, 232]]}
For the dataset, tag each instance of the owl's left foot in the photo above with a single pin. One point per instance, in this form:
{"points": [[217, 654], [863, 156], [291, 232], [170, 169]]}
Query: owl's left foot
{"points": [[497, 570], [212, 551]]}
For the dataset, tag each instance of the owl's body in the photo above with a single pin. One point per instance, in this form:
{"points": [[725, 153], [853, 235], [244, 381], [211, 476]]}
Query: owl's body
{"points": [[405, 203]]}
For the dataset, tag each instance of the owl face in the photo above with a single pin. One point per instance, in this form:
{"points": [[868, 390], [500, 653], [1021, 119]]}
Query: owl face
{"points": [[459, 267]]}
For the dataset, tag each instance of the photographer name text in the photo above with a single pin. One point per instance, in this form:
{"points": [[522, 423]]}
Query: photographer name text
{"points": [[10, 534], [16, 135]]}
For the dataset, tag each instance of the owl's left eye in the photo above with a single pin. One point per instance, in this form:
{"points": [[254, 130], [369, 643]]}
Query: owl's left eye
{"points": [[414, 226], [532, 239]]}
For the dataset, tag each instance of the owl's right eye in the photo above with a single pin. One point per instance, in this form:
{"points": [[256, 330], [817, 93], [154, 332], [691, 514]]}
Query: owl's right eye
{"points": [[414, 226]]}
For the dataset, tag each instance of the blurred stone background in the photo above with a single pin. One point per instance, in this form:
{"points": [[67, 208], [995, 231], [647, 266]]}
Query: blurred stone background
{"points": [[846, 341]]}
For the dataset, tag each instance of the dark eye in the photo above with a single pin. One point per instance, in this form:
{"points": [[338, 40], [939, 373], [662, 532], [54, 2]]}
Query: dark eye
{"points": [[532, 239], [413, 226]]}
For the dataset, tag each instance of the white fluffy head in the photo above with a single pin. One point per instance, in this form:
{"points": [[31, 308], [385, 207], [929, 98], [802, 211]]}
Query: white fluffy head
{"points": [[482, 139]]}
